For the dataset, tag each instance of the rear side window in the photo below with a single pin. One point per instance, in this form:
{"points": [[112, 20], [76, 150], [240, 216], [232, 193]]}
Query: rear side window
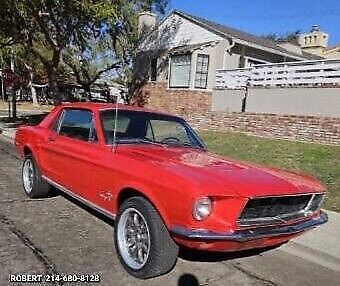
{"points": [[78, 124]]}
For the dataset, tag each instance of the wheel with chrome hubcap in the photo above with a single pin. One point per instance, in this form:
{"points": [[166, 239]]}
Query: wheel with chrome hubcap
{"points": [[28, 175], [143, 243], [133, 238], [34, 185]]}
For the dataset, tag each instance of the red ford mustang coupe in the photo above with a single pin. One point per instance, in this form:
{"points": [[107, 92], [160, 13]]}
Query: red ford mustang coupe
{"points": [[152, 174]]}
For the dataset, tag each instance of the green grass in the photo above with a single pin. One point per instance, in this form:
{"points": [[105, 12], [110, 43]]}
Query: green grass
{"points": [[320, 161]]}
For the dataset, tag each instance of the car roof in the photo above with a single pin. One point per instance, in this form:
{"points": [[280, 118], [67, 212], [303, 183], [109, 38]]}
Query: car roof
{"points": [[94, 106]]}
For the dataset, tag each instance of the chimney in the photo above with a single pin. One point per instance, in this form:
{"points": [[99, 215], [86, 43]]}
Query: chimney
{"points": [[315, 41], [146, 22]]}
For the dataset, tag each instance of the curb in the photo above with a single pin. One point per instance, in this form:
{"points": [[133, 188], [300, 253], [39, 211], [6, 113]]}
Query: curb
{"points": [[320, 245], [324, 238], [9, 133], [7, 136]]}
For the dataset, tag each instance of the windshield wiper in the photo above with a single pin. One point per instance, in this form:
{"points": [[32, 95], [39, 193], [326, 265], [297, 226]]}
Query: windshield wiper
{"points": [[184, 144], [147, 141], [136, 140]]}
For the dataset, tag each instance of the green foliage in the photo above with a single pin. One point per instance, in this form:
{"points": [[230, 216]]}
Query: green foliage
{"points": [[92, 37]]}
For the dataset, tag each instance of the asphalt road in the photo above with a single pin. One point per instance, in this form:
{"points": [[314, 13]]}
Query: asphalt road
{"points": [[56, 236]]}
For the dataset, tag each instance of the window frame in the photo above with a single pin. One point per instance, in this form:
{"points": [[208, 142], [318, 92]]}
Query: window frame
{"points": [[55, 124], [151, 128], [170, 69], [202, 73], [60, 119]]}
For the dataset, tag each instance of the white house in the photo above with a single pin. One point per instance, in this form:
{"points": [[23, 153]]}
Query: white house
{"points": [[184, 51]]}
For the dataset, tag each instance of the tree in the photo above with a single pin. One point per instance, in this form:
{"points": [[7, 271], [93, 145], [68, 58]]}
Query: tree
{"points": [[91, 35], [272, 36], [286, 37], [111, 48], [134, 75], [27, 70], [292, 36], [90, 62], [46, 28]]}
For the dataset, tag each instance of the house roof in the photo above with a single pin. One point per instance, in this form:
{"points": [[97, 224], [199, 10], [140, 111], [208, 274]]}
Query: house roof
{"points": [[333, 47], [228, 32]]}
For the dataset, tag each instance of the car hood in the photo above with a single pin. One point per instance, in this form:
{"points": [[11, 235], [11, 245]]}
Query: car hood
{"points": [[219, 175]]}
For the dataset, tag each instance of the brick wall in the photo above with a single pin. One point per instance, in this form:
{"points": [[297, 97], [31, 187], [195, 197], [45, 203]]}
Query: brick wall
{"points": [[179, 101], [194, 106], [324, 130]]}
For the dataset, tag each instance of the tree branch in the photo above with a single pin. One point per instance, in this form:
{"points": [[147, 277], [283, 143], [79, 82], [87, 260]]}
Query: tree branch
{"points": [[42, 25]]}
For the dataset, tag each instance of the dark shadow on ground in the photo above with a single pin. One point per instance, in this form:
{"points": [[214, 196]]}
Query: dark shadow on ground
{"points": [[208, 256], [187, 280], [31, 120]]}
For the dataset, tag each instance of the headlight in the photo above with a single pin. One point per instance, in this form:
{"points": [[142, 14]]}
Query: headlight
{"points": [[202, 208]]}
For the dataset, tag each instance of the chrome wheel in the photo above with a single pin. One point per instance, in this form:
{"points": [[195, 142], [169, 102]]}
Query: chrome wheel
{"points": [[133, 238], [28, 175]]}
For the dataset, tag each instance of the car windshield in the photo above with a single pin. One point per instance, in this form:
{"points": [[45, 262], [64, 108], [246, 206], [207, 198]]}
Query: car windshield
{"points": [[148, 128]]}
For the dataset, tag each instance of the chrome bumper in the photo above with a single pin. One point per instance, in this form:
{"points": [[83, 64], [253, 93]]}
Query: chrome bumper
{"points": [[250, 234]]}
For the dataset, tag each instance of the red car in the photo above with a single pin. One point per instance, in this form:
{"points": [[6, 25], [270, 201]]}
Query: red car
{"points": [[153, 175]]}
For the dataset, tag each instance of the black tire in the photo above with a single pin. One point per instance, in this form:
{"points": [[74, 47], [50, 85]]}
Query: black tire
{"points": [[163, 251], [39, 187]]}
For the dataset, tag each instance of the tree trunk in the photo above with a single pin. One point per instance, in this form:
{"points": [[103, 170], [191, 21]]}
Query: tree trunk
{"points": [[34, 95], [87, 90], [14, 104], [53, 86], [33, 91]]}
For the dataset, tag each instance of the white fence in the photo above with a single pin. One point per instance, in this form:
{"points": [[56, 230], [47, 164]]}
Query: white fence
{"points": [[306, 73]]}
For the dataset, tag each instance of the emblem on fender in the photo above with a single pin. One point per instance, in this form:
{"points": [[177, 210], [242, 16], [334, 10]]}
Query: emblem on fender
{"points": [[106, 196]]}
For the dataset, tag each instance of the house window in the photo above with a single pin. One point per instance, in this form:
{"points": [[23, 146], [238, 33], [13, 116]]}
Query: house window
{"points": [[180, 67], [202, 68], [153, 69]]}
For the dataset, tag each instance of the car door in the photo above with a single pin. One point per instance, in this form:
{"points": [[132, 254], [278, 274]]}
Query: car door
{"points": [[70, 153], [106, 172]]}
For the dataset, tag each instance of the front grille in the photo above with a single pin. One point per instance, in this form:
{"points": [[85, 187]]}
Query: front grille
{"points": [[278, 209]]}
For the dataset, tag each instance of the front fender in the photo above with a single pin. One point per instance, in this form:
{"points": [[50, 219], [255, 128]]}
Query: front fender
{"points": [[150, 195]]}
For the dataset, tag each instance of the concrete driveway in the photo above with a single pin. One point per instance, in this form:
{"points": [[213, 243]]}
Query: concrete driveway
{"points": [[57, 236]]}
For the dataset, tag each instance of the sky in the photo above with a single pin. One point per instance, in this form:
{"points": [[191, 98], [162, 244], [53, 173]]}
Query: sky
{"points": [[261, 17]]}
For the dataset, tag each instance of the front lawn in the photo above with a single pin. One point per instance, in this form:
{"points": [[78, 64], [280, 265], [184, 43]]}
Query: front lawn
{"points": [[321, 161]]}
